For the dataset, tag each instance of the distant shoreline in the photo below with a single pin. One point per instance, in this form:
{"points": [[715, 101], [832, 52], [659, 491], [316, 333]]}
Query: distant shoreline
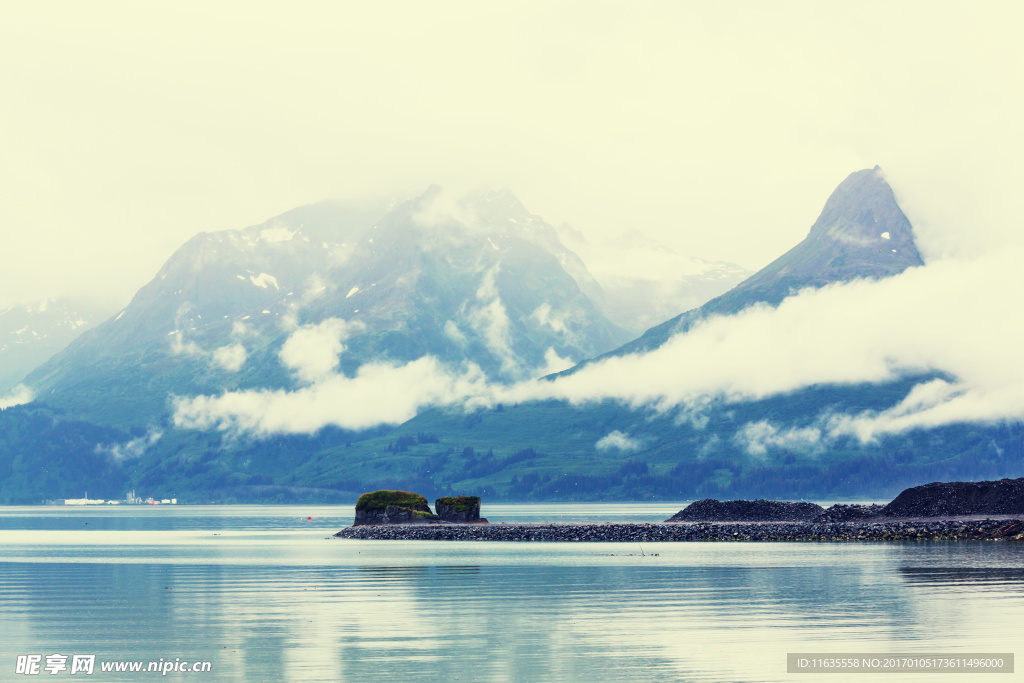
{"points": [[995, 527]]}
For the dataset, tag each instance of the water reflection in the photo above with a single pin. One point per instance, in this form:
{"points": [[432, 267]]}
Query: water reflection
{"points": [[939, 576], [277, 606]]}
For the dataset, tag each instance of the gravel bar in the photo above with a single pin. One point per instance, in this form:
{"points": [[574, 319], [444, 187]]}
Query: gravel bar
{"points": [[876, 530]]}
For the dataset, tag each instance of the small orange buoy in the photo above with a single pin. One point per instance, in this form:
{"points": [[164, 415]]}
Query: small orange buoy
{"points": [[309, 518]]}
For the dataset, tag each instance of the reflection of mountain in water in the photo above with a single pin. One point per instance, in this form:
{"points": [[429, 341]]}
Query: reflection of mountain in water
{"points": [[354, 611]]}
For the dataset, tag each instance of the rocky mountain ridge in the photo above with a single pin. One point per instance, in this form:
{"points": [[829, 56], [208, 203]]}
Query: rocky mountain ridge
{"points": [[29, 334], [479, 280], [860, 233]]}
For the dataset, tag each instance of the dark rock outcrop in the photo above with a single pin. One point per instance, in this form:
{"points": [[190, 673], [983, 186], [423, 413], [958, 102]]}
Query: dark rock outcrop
{"points": [[393, 507], [948, 499], [711, 510], [459, 509], [849, 513], [394, 514]]}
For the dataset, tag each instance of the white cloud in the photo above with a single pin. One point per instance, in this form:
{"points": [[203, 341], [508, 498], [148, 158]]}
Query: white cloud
{"points": [[617, 441], [315, 288], [231, 357], [19, 395], [790, 93], [444, 209], [933, 404], [452, 331], [379, 394], [312, 350], [542, 314], [130, 450], [183, 325], [758, 437], [491, 320], [956, 317], [554, 363], [953, 317]]}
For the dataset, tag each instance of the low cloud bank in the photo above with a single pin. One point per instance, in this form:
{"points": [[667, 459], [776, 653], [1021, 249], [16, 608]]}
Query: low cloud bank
{"points": [[380, 393], [758, 437], [957, 318], [130, 450], [19, 395], [312, 351], [230, 358], [617, 441]]}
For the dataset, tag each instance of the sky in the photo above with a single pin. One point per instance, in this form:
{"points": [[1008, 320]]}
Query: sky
{"points": [[719, 129]]}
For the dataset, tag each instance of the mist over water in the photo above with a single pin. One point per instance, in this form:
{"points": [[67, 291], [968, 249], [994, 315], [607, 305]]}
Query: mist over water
{"points": [[263, 594]]}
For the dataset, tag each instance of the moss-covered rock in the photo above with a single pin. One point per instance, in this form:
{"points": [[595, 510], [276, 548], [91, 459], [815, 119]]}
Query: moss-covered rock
{"points": [[393, 507], [378, 500], [462, 509], [402, 515]]}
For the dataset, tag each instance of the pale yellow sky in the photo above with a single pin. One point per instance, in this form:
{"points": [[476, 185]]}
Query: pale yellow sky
{"points": [[717, 128]]}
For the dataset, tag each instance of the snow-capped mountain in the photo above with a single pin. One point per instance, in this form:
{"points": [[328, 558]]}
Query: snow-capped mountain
{"points": [[645, 282], [29, 334], [861, 233], [477, 279]]}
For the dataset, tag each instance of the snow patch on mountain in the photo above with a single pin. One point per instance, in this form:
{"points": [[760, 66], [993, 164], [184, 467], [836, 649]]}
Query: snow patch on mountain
{"points": [[279, 233], [263, 279]]}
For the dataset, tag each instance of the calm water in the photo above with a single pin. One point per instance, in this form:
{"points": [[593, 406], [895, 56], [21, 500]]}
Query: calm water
{"points": [[263, 594]]}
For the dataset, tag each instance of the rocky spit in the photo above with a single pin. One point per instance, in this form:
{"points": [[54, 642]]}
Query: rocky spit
{"points": [[711, 510], [950, 511], [874, 530]]}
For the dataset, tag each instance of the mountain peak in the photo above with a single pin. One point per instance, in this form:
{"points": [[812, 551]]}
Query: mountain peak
{"points": [[497, 205], [861, 233], [634, 239], [861, 210], [487, 208]]}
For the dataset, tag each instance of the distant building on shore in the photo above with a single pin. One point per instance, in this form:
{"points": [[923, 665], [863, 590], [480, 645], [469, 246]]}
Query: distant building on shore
{"points": [[130, 499]]}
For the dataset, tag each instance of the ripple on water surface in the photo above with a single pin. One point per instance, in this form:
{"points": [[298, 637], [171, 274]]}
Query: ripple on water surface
{"points": [[280, 602]]}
